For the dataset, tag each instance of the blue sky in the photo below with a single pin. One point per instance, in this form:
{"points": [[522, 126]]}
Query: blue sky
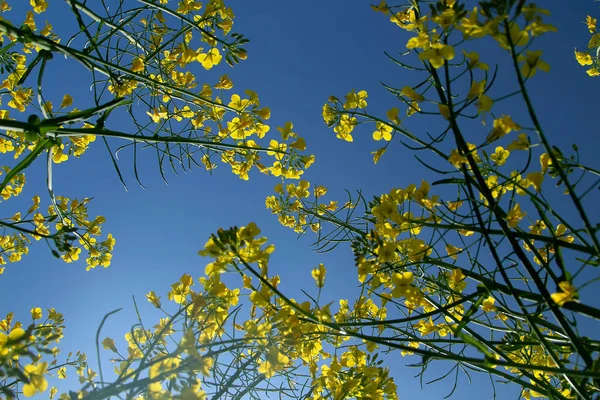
{"points": [[300, 53]]}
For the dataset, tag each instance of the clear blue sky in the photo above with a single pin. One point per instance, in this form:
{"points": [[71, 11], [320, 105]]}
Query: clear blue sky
{"points": [[300, 53]]}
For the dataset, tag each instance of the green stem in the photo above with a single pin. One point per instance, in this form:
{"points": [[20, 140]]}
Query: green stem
{"points": [[500, 215], [185, 20], [563, 176], [41, 145], [100, 65], [403, 131], [555, 310], [99, 20], [66, 132]]}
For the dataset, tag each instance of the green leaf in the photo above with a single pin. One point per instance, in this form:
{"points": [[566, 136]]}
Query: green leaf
{"points": [[594, 42]]}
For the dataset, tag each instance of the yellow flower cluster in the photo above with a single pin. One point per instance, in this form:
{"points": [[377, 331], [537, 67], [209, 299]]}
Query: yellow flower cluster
{"points": [[590, 56], [18, 343]]}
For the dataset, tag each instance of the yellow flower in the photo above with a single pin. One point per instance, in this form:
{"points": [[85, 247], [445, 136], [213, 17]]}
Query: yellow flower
{"points": [[123, 88], [205, 365], [416, 249], [522, 143], [536, 179], [457, 159], [409, 92], [402, 282], [224, 83], [453, 251], [37, 382], [238, 103], [488, 304], [248, 232], [425, 326], [413, 108], [71, 255], [474, 61], [418, 42], [532, 63], [345, 128], [36, 313], [277, 149], [210, 59], [476, 89], [444, 111], [39, 6], [164, 366], [446, 18], [356, 100], [456, 280], [286, 130], [382, 8], [500, 155], [515, 216], [502, 126], [137, 65], [318, 275], [593, 72], [3, 339], [299, 144], [537, 27], [58, 156], [6, 146], [567, 293], [274, 361], [66, 101], [16, 334], [20, 98], [484, 104], [414, 345], [180, 290], [328, 114], [406, 19], [47, 31], [30, 21], [384, 131], [188, 6], [519, 37], [377, 154], [157, 114], [583, 58], [109, 344], [153, 298], [386, 252], [591, 24], [320, 191], [353, 357], [471, 27], [437, 53], [392, 115]]}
